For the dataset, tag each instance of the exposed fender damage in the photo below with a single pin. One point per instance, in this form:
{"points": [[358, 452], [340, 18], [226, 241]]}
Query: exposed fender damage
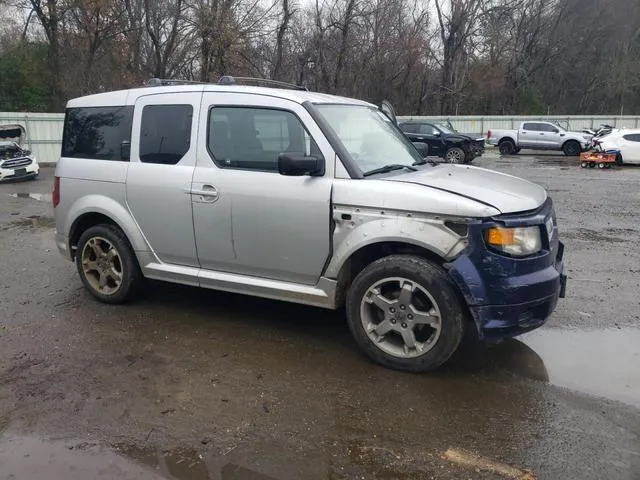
{"points": [[357, 227]]}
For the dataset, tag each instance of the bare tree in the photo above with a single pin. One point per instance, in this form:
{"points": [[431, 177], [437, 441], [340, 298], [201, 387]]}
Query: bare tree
{"points": [[457, 24]]}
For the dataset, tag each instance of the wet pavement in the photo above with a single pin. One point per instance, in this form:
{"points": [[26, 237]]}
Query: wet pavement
{"points": [[192, 384]]}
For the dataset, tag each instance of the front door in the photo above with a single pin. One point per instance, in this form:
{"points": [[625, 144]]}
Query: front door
{"points": [[550, 137], [163, 158], [248, 218], [432, 137]]}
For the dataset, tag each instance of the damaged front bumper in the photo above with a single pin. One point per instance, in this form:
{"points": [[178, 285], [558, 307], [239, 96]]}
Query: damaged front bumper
{"points": [[18, 168], [508, 296]]}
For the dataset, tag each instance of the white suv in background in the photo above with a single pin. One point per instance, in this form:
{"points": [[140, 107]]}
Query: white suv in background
{"points": [[626, 141]]}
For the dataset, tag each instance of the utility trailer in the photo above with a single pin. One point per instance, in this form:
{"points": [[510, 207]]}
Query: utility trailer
{"points": [[602, 160]]}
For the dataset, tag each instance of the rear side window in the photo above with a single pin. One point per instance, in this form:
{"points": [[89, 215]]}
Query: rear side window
{"points": [[633, 137], [97, 132], [532, 127], [165, 133]]}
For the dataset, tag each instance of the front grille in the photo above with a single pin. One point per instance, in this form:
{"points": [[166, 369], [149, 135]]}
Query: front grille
{"points": [[16, 162]]}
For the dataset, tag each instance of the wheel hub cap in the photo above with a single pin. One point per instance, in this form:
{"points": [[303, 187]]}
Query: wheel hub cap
{"points": [[401, 317], [102, 265]]}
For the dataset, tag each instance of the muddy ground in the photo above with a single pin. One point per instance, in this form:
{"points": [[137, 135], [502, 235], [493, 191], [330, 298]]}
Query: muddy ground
{"points": [[191, 384]]}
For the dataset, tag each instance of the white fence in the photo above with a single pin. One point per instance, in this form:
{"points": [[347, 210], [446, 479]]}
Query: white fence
{"points": [[44, 130]]}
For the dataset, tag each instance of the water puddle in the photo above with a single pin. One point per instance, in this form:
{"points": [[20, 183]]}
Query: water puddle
{"points": [[254, 461], [605, 363], [42, 197], [35, 459]]}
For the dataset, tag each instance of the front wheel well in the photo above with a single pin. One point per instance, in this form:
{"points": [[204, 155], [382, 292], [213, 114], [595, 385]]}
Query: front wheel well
{"points": [[369, 254], [82, 223]]}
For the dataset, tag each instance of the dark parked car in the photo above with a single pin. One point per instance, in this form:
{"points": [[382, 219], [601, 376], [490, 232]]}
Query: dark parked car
{"points": [[441, 140]]}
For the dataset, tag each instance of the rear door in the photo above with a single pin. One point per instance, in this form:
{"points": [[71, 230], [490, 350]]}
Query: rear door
{"points": [[163, 158]]}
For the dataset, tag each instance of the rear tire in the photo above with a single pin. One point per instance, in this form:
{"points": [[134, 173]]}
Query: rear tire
{"points": [[107, 264], [571, 148], [507, 147], [405, 313]]}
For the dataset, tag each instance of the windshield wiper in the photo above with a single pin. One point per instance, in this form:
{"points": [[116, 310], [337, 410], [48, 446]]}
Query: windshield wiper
{"points": [[424, 161], [389, 168]]}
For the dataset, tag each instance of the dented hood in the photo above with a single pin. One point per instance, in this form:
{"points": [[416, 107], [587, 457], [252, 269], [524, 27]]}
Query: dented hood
{"points": [[13, 133], [506, 193]]}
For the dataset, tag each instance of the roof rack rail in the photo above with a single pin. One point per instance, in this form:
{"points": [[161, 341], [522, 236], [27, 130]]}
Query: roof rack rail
{"points": [[229, 80], [224, 80], [159, 82]]}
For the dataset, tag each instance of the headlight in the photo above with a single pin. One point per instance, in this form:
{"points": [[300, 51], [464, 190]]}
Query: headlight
{"points": [[519, 241]]}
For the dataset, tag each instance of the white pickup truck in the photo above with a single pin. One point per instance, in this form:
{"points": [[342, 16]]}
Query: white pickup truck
{"points": [[539, 136]]}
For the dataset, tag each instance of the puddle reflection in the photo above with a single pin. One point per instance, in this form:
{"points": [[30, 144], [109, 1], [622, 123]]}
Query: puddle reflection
{"points": [[604, 363]]}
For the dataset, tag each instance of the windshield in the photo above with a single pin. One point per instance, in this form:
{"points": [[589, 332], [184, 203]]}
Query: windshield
{"points": [[369, 136]]}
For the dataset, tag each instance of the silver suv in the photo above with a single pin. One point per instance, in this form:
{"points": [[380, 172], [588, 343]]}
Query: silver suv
{"points": [[308, 198]]}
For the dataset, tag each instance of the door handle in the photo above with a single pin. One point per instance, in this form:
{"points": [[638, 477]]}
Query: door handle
{"points": [[542, 134], [207, 193]]}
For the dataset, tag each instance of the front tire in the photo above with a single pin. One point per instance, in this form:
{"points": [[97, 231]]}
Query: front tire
{"points": [[405, 313], [455, 155], [107, 264]]}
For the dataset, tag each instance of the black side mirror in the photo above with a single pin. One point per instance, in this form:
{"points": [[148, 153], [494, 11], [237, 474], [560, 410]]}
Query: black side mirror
{"points": [[125, 150], [298, 164]]}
